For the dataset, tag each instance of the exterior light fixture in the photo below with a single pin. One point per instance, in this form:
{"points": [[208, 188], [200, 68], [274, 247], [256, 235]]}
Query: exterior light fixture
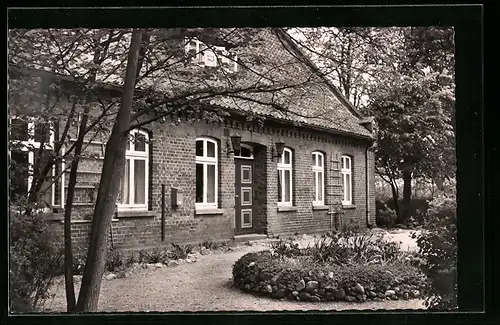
{"points": [[280, 146], [235, 144]]}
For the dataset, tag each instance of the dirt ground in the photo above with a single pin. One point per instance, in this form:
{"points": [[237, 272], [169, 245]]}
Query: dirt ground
{"points": [[206, 285]]}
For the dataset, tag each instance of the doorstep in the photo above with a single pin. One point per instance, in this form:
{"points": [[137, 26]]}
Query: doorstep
{"points": [[249, 237]]}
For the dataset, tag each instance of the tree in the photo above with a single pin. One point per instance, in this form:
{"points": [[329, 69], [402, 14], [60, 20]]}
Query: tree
{"points": [[404, 77], [415, 131], [352, 57], [160, 81]]}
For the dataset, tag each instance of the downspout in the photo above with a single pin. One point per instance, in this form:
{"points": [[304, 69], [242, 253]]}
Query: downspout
{"points": [[367, 182]]}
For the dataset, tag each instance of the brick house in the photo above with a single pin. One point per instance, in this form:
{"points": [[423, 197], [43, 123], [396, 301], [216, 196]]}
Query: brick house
{"points": [[221, 180]]}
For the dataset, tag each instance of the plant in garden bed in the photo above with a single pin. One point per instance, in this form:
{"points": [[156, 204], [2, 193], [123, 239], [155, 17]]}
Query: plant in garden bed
{"points": [[35, 261], [438, 249], [348, 267]]}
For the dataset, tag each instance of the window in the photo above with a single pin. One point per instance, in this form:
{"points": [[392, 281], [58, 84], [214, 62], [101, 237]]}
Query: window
{"points": [[206, 173], [26, 138], [318, 168], [346, 171], [211, 57], [135, 181], [285, 186], [246, 152]]}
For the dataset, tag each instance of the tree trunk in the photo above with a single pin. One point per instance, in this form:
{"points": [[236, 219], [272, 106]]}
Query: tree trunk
{"points": [[112, 171], [395, 197], [405, 215], [68, 249]]}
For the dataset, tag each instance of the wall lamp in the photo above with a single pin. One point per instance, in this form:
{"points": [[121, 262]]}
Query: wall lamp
{"points": [[235, 144], [280, 146]]}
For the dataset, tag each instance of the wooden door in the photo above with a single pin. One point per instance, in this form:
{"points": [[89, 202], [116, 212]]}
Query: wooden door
{"points": [[244, 195]]}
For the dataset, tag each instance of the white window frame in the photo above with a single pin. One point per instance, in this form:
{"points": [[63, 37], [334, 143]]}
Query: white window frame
{"points": [[201, 58], [248, 147], [132, 156], [30, 145], [347, 196], [205, 161], [282, 167], [316, 168]]}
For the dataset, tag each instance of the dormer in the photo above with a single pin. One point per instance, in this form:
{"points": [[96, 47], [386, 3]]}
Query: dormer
{"points": [[210, 55]]}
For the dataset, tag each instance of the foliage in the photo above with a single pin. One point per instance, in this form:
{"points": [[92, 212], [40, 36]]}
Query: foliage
{"points": [[115, 260], [285, 248], [180, 252], [384, 216], [213, 244], [438, 247], [34, 262], [418, 209], [347, 248]]}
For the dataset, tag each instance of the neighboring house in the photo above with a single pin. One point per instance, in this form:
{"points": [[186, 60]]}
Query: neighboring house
{"points": [[291, 174]]}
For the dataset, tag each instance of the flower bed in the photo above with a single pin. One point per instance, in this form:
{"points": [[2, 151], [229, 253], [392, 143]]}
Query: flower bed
{"points": [[305, 275]]}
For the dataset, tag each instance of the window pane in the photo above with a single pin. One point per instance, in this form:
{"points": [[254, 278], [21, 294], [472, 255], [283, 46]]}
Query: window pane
{"points": [[314, 159], [280, 182], [287, 157], [246, 152], [319, 181], [140, 142], [246, 196], [246, 218], [18, 130], [320, 160], [199, 183], [42, 133], [210, 149], [18, 173], [124, 192], [199, 148], [210, 183], [315, 188], [140, 181], [45, 190], [348, 187], [344, 186], [287, 186], [245, 174], [347, 163]]}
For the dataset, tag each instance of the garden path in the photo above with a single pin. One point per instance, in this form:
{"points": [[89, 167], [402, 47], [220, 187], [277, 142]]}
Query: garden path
{"points": [[204, 286]]}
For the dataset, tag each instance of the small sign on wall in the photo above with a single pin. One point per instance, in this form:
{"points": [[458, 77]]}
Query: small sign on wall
{"points": [[176, 197]]}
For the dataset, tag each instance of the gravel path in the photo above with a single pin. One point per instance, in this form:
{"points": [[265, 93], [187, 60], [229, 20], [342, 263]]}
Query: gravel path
{"points": [[202, 286]]}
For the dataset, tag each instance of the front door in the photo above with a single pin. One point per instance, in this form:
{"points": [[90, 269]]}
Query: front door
{"points": [[244, 195]]}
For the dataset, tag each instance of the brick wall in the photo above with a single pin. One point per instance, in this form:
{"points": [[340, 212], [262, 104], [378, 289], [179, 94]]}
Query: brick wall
{"points": [[172, 162]]}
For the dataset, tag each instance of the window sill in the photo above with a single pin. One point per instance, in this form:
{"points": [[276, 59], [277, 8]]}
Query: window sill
{"points": [[134, 214], [49, 216], [208, 211], [348, 206], [320, 207], [286, 208]]}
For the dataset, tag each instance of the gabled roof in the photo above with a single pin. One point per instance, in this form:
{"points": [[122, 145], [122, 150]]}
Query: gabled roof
{"points": [[316, 103], [307, 98]]}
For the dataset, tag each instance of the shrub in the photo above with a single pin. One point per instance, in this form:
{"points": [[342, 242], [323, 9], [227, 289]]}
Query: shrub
{"points": [[438, 247], [114, 260], [79, 260], [384, 216], [35, 259], [180, 252]]}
